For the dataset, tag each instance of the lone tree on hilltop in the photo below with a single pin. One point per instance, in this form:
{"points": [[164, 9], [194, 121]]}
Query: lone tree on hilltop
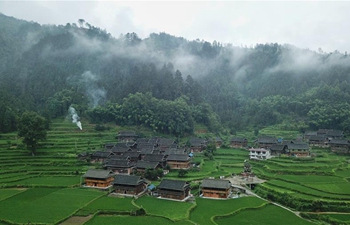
{"points": [[32, 128]]}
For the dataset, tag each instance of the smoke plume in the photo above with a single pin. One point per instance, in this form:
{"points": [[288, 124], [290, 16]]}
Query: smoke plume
{"points": [[75, 118]]}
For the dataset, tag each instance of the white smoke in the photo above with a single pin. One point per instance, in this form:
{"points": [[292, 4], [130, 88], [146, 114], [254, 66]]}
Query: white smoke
{"points": [[75, 118], [94, 93]]}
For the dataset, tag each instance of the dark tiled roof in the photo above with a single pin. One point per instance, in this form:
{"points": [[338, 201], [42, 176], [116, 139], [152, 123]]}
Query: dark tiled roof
{"points": [[218, 139], [197, 141], [277, 147], [119, 157], [176, 157], [102, 174], [115, 163], [132, 154], [154, 157], [166, 141], [146, 164], [217, 184], [298, 146], [101, 154], [267, 140], [145, 145], [339, 142], [310, 133], [335, 133], [144, 151], [120, 147], [239, 139], [322, 131], [176, 185], [109, 145], [122, 179], [317, 138], [171, 151]]}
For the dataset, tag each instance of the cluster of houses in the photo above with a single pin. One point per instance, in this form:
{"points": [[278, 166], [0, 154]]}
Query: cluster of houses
{"points": [[133, 155], [268, 147], [133, 185]]}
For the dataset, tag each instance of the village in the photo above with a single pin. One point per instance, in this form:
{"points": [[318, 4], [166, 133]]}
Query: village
{"points": [[126, 162]]}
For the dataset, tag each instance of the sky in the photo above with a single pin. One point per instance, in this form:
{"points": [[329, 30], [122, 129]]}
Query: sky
{"points": [[304, 24]]}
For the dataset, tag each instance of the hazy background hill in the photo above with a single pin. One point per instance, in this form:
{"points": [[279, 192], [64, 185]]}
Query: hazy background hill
{"points": [[47, 68]]}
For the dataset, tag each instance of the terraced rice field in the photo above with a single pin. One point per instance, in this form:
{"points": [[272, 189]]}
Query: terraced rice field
{"points": [[45, 188]]}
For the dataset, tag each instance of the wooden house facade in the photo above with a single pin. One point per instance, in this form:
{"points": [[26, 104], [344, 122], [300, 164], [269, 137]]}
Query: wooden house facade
{"points": [[98, 178], [266, 142], [173, 189], [197, 144], [120, 166], [213, 188], [141, 166], [129, 184], [340, 146], [176, 161], [299, 150], [238, 142]]}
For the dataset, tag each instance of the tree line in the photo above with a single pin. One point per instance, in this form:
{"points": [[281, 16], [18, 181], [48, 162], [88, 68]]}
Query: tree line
{"points": [[165, 82]]}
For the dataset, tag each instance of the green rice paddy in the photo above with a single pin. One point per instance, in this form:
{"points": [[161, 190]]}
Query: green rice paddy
{"points": [[45, 188]]}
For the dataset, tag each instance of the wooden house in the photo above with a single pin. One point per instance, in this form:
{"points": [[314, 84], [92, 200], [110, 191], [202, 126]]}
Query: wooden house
{"points": [[160, 158], [133, 156], [334, 134], [340, 146], [238, 142], [127, 136], [322, 132], [266, 142], [109, 146], [141, 166], [98, 178], [120, 148], [198, 144], [165, 143], [172, 151], [129, 184], [100, 156], [309, 134], [173, 189], [213, 188], [120, 166], [84, 156], [278, 149], [218, 142], [299, 150], [176, 161], [319, 141]]}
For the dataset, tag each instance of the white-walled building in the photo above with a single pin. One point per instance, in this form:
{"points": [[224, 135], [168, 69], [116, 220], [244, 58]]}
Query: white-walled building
{"points": [[259, 153]]}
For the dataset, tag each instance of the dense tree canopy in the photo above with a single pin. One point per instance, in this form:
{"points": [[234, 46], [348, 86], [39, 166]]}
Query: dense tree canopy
{"points": [[165, 82], [33, 129]]}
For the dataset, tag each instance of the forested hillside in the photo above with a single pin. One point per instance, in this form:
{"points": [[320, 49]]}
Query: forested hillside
{"points": [[166, 82]]}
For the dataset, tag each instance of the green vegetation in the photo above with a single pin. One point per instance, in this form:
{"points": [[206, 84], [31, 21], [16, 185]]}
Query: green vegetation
{"points": [[106, 204], [166, 208], [134, 220], [207, 209], [45, 205], [266, 215]]}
